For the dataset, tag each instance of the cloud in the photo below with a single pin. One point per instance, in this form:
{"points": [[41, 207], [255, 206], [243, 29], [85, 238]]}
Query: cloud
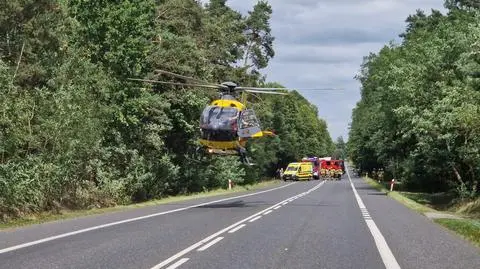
{"points": [[341, 53], [321, 43], [295, 34]]}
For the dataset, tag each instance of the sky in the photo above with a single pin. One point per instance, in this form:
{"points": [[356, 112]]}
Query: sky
{"points": [[321, 44]]}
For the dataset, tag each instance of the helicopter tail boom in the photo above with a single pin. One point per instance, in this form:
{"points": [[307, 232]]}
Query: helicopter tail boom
{"points": [[263, 134]]}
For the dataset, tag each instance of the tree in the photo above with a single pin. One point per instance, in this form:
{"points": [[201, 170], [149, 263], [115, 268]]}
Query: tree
{"points": [[340, 149], [417, 104], [75, 133], [259, 47]]}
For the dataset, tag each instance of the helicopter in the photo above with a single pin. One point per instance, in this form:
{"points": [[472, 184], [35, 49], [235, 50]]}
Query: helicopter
{"points": [[226, 124]]}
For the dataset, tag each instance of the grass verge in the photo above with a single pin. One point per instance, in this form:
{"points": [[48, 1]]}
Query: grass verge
{"points": [[400, 198], [467, 228], [69, 214]]}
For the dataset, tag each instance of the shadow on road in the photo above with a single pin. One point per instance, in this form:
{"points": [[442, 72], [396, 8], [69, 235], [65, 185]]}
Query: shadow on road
{"points": [[377, 193], [365, 187], [225, 205], [242, 204]]}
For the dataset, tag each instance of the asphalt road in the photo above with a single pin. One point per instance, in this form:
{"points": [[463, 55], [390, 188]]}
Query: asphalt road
{"points": [[312, 224]]}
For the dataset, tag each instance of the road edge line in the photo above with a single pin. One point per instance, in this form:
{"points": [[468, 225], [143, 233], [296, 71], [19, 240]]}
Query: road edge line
{"points": [[384, 250]]}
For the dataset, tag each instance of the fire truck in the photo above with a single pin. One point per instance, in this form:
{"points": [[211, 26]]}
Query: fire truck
{"points": [[331, 168]]}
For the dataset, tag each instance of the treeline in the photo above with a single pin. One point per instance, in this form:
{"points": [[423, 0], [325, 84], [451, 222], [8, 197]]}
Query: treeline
{"points": [[419, 113], [75, 133]]}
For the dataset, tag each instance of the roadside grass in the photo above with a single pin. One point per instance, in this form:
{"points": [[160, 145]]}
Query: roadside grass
{"points": [[468, 227], [399, 197], [65, 214]]}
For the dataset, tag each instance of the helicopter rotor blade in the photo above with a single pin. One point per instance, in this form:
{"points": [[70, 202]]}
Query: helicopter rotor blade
{"points": [[267, 92], [176, 83], [159, 71], [287, 89]]}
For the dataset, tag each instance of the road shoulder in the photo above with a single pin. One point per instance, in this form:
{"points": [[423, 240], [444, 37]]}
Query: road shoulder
{"points": [[415, 240], [462, 225]]}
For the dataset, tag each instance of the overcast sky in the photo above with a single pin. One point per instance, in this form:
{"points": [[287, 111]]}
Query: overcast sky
{"points": [[321, 43]]}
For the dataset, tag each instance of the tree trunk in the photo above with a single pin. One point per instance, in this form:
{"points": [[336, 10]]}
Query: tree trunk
{"points": [[457, 174]]}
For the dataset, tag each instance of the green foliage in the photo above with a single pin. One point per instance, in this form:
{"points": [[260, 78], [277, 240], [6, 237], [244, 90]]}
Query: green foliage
{"points": [[299, 131], [75, 133], [418, 116], [340, 149]]}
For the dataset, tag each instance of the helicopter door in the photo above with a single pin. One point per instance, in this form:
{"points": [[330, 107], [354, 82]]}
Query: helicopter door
{"points": [[248, 124]]}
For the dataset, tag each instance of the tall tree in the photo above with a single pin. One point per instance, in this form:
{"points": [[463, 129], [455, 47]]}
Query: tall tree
{"points": [[259, 48], [414, 117]]}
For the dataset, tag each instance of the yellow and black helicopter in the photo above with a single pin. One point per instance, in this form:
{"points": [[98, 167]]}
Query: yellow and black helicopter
{"points": [[226, 124]]}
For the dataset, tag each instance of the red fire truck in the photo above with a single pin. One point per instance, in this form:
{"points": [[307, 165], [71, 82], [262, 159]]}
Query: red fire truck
{"points": [[331, 169]]}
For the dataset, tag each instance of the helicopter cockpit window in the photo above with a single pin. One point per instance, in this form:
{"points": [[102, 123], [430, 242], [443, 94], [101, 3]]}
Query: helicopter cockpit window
{"points": [[218, 118], [248, 119]]}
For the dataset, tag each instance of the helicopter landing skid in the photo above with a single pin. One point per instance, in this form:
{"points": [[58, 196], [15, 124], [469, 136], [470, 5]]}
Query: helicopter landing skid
{"points": [[243, 156], [221, 151], [225, 152]]}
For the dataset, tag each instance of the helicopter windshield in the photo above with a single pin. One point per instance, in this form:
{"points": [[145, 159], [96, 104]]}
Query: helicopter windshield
{"points": [[218, 118], [248, 119]]}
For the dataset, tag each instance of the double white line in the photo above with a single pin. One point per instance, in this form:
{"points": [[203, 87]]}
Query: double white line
{"points": [[231, 227], [51, 238]]}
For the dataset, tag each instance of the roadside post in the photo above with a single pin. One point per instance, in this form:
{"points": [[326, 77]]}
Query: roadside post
{"points": [[391, 184], [229, 184]]}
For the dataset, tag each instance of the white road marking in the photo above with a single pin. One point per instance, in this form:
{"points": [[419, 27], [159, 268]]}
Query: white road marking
{"points": [[277, 207], [285, 203], [177, 264], [268, 212], [237, 228], [254, 219], [207, 239], [213, 242], [382, 246], [51, 238]]}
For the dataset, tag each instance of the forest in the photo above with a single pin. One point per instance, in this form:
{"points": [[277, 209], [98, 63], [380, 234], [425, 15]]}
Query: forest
{"points": [[419, 115], [76, 133]]}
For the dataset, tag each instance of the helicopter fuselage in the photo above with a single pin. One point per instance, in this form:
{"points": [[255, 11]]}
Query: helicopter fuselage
{"points": [[219, 126], [226, 125]]}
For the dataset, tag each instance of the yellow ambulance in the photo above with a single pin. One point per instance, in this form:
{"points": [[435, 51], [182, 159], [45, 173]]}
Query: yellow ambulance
{"points": [[298, 171]]}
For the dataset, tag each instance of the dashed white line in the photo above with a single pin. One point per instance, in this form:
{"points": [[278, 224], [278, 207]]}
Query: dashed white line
{"points": [[51, 238], [254, 219], [382, 246], [237, 228], [268, 212], [207, 239], [213, 242], [177, 264], [277, 207]]}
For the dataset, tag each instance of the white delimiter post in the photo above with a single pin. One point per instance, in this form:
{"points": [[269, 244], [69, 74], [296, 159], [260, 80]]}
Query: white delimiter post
{"points": [[391, 184], [229, 184]]}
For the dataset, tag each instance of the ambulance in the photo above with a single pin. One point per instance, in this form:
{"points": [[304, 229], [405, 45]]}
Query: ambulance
{"points": [[298, 171]]}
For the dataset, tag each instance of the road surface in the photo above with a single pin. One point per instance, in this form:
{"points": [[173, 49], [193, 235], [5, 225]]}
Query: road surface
{"points": [[316, 224]]}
